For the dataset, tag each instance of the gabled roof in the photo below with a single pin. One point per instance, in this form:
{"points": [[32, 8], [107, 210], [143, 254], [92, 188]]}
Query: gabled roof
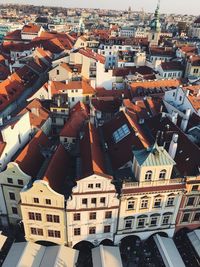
{"points": [[172, 66], [57, 87], [121, 152], [58, 170], [31, 158], [31, 28], [145, 85], [153, 156], [92, 159], [78, 114], [37, 113], [90, 54]]}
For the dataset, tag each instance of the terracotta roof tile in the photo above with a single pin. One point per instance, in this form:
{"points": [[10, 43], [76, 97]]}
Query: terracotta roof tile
{"points": [[31, 159], [91, 154], [121, 152], [78, 115], [58, 170]]}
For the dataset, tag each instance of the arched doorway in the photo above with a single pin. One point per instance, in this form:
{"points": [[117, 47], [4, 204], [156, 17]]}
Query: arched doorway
{"points": [[85, 254], [107, 242], [130, 248]]}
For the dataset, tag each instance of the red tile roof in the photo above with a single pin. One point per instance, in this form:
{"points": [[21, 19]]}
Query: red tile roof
{"points": [[37, 113], [170, 66], [31, 28], [78, 115], [30, 159], [57, 87], [106, 104], [58, 170], [143, 70], [153, 84], [92, 158], [121, 152], [89, 53]]}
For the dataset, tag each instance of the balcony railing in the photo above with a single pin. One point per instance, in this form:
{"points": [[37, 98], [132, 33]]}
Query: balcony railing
{"points": [[153, 183]]}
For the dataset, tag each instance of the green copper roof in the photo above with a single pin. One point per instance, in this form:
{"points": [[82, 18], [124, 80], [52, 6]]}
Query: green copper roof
{"points": [[153, 156]]}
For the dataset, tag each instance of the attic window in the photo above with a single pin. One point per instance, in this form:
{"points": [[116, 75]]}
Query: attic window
{"points": [[120, 133]]}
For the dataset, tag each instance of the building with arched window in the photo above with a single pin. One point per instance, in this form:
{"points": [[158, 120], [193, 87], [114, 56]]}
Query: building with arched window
{"points": [[151, 199]]}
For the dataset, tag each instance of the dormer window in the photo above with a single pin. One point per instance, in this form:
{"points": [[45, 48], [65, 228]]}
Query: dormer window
{"points": [[148, 176], [120, 133], [162, 174]]}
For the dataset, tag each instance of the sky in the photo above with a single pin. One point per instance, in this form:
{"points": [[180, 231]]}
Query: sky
{"points": [[167, 6]]}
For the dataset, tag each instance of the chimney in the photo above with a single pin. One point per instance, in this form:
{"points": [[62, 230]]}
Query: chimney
{"points": [[49, 89], [187, 93], [173, 145], [35, 111], [174, 117], [67, 81]]}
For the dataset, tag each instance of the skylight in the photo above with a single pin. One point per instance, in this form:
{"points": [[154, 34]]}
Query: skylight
{"points": [[120, 133]]}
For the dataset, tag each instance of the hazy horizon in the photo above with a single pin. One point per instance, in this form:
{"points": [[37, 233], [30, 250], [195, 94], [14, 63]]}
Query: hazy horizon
{"points": [[167, 6]]}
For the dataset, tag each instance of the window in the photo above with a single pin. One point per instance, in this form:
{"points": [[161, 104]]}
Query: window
{"points": [[77, 231], [36, 231], [195, 188], [53, 218], [144, 203], [48, 201], [120, 133], [190, 201], [72, 99], [197, 217], [106, 228], [148, 176], [12, 196], [131, 204], [20, 182], [92, 215], [90, 185], [38, 217], [186, 217], [170, 201], [57, 72], [157, 203], [141, 222], [77, 216], [162, 174], [14, 210], [166, 219], [10, 180], [154, 221], [108, 214], [103, 200], [196, 71], [92, 230], [93, 200], [54, 233], [35, 216], [98, 185], [36, 200], [84, 201], [128, 224], [31, 216], [180, 98]]}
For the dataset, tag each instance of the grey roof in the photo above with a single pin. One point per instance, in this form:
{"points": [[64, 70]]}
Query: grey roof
{"points": [[153, 156]]}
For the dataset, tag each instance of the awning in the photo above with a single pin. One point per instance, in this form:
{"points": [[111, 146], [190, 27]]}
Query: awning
{"points": [[168, 251]]}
